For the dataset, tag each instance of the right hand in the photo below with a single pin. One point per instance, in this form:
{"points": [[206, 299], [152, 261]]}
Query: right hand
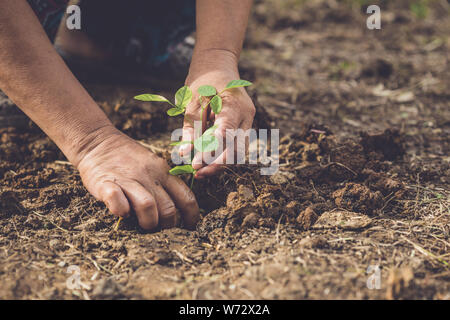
{"points": [[129, 178]]}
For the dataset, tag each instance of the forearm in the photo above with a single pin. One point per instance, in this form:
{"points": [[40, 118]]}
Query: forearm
{"points": [[221, 26], [34, 76]]}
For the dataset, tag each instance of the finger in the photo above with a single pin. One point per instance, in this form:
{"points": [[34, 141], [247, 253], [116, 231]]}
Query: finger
{"points": [[197, 161], [201, 159], [188, 135], [247, 123], [225, 133], [243, 142], [222, 133], [184, 200], [143, 203], [166, 208], [114, 198], [218, 165]]}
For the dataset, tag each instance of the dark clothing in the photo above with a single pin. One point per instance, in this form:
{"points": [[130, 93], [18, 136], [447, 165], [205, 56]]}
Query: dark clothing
{"points": [[139, 31]]}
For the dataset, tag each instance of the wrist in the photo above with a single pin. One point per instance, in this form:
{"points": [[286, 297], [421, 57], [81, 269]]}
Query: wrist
{"points": [[87, 141], [213, 60]]}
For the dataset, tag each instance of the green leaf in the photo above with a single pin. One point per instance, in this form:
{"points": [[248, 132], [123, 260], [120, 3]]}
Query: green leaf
{"points": [[187, 168], [151, 97], [180, 143], [207, 91], [183, 97], [216, 104], [238, 83], [175, 111], [206, 143]]}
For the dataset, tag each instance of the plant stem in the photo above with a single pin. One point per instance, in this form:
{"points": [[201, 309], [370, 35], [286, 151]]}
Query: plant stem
{"points": [[203, 108], [201, 115], [192, 181], [117, 224]]}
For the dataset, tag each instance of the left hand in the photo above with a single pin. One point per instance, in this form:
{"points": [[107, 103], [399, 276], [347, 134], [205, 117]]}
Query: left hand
{"points": [[237, 112]]}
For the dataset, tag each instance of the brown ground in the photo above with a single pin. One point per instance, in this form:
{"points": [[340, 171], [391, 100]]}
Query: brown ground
{"points": [[364, 178]]}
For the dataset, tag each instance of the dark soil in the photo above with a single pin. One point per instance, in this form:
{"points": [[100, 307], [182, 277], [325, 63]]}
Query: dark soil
{"points": [[364, 176]]}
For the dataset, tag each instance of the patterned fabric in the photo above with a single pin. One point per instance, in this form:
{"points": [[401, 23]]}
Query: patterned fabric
{"points": [[49, 13], [139, 31]]}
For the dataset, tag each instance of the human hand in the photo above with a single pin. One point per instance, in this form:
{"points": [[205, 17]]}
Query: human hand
{"points": [[129, 178], [237, 112]]}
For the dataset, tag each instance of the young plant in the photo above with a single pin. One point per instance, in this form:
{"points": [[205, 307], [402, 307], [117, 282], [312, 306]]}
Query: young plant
{"points": [[207, 142]]}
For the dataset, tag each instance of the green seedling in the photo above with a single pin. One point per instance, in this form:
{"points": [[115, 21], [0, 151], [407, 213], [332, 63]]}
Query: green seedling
{"points": [[207, 142]]}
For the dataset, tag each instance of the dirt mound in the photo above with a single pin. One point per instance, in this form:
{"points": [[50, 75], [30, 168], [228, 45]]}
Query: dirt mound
{"points": [[319, 175], [337, 206]]}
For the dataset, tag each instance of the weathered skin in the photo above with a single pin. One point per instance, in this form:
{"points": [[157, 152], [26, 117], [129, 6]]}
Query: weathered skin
{"points": [[114, 168]]}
